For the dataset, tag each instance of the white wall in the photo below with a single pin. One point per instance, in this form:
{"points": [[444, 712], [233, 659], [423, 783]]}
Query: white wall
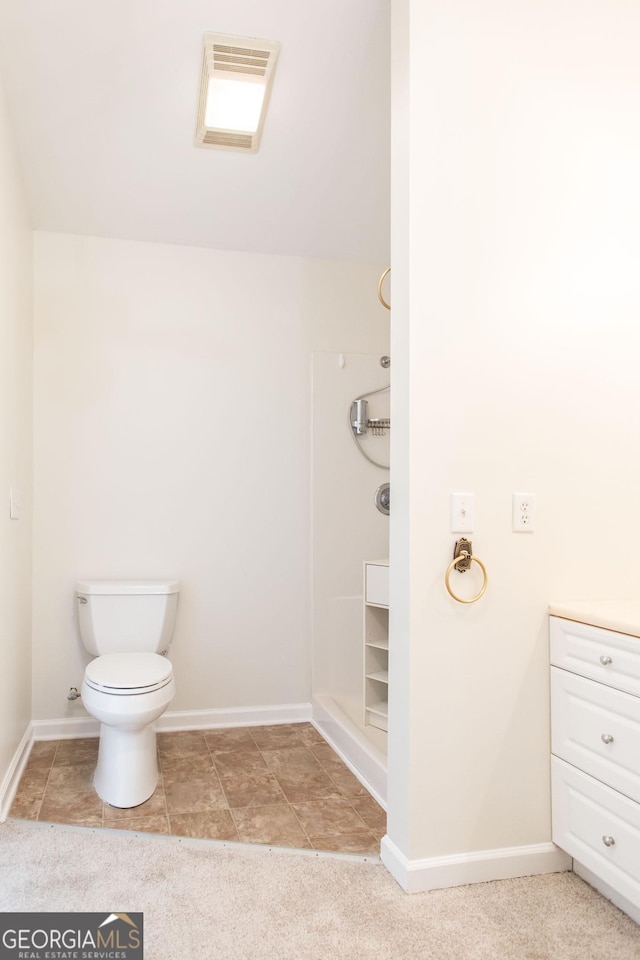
{"points": [[15, 450], [516, 239], [172, 416]]}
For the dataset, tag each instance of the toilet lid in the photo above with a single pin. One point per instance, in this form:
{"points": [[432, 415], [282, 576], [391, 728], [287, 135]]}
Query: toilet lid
{"points": [[129, 672]]}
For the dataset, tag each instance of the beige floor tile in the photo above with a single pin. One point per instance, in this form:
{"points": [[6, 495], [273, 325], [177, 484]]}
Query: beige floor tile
{"points": [[86, 811], [33, 782], [372, 814], [233, 738], [25, 808], [70, 780], [271, 824], [346, 782], [324, 754], [309, 735], [69, 795], [254, 784], [187, 743], [258, 790], [278, 735], [195, 796], [42, 753], [308, 786], [291, 761], [357, 843], [73, 752], [155, 824], [186, 768], [239, 763], [216, 825], [329, 818]]}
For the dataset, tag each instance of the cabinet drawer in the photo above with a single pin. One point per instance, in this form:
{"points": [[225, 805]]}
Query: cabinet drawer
{"points": [[377, 584], [585, 811], [611, 658], [596, 729]]}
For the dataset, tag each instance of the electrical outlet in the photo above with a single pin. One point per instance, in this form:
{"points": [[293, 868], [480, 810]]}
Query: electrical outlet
{"points": [[523, 512], [461, 512]]}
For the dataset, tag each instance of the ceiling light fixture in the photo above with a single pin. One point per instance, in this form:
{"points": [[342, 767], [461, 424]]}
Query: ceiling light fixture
{"points": [[237, 74]]}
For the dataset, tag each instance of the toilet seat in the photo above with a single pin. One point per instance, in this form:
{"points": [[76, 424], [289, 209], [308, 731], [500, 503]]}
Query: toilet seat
{"points": [[128, 674]]}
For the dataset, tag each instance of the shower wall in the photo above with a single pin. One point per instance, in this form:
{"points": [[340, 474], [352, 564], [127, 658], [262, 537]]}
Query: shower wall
{"points": [[347, 527]]}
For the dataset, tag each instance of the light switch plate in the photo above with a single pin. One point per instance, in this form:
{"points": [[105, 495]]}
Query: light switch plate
{"points": [[461, 509]]}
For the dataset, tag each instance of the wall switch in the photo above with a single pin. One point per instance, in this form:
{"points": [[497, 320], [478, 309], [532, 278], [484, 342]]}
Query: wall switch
{"points": [[15, 504], [523, 512], [461, 512]]}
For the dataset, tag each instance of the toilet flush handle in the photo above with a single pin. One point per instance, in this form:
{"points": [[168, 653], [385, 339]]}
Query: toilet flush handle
{"points": [[82, 600]]}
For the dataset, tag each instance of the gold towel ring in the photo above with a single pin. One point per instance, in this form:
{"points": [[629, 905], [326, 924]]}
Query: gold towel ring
{"points": [[465, 555], [380, 282]]}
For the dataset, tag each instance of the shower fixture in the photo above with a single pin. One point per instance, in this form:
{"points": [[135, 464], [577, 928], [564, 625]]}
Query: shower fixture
{"points": [[382, 498], [360, 423], [359, 417]]}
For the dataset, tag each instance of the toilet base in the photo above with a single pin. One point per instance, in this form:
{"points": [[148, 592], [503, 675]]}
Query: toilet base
{"points": [[127, 770]]}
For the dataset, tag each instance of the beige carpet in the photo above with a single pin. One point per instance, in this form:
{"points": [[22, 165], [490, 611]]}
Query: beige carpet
{"points": [[203, 899]]}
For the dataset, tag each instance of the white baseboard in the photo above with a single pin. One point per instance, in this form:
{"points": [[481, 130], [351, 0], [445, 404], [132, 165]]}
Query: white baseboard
{"points": [[367, 762], [12, 778], [176, 720], [631, 909], [234, 717], [66, 728], [432, 873]]}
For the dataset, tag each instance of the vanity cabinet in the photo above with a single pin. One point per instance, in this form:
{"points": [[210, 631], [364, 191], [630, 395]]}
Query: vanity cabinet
{"points": [[595, 764], [376, 643]]}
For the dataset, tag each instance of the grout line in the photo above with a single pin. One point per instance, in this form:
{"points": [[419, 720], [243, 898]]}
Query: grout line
{"points": [[46, 783]]}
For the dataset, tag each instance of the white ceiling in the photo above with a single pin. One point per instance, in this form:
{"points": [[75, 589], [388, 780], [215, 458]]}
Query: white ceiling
{"points": [[103, 97]]}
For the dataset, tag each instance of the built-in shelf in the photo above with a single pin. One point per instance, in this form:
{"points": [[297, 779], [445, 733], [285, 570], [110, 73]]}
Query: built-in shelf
{"points": [[376, 642], [382, 645], [382, 676]]}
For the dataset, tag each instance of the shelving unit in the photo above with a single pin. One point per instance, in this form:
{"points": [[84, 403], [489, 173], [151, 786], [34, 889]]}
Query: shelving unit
{"points": [[376, 643]]}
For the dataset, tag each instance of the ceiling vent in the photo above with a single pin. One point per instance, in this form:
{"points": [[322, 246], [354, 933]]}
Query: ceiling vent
{"points": [[237, 73]]}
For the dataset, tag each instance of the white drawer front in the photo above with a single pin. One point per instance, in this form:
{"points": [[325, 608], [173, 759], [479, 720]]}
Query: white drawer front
{"points": [[611, 658], [377, 584], [597, 729], [585, 811]]}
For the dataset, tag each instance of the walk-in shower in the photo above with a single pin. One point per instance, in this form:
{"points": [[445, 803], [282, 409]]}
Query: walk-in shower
{"points": [[351, 435]]}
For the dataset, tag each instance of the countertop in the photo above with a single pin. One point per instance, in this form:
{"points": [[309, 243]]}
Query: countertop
{"points": [[620, 615]]}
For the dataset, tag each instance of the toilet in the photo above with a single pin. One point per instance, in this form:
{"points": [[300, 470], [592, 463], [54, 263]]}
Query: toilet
{"points": [[127, 625]]}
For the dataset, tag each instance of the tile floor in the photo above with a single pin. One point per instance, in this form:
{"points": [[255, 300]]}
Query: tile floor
{"points": [[280, 785]]}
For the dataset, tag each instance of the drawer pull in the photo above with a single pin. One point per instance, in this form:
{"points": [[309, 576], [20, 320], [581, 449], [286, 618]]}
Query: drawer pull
{"points": [[604, 660], [606, 738], [608, 841]]}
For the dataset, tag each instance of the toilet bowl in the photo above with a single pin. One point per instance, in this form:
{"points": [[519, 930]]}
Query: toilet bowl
{"points": [[129, 685]]}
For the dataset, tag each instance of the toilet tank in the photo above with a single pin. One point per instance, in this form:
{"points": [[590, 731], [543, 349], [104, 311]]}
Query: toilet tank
{"points": [[127, 616]]}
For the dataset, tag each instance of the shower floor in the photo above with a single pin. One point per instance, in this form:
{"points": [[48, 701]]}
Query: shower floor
{"points": [[279, 785]]}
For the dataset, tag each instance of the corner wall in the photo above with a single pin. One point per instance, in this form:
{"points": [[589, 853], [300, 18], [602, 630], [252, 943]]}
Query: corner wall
{"points": [[172, 439], [15, 452], [516, 205]]}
